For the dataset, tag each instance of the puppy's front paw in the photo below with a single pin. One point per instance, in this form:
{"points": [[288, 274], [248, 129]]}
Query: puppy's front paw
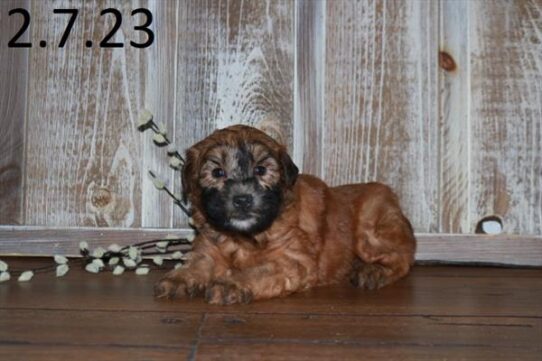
{"points": [[176, 284], [227, 293]]}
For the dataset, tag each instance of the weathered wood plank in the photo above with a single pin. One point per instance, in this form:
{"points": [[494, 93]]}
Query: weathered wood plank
{"points": [[445, 248], [506, 113], [235, 64], [41, 241], [83, 154], [480, 249], [309, 87], [381, 100], [157, 210], [13, 77], [454, 76]]}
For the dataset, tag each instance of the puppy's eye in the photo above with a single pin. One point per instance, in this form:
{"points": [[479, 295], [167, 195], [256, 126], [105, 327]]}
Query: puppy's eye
{"points": [[218, 173], [260, 170]]}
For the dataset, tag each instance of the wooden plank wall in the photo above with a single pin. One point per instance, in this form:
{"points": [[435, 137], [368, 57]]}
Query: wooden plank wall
{"points": [[506, 113], [13, 80], [83, 152], [381, 100], [453, 118], [440, 99], [491, 115]]}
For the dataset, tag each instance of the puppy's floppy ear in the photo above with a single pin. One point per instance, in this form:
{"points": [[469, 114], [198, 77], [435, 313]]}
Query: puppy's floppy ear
{"points": [[188, 176], [289, 168]]}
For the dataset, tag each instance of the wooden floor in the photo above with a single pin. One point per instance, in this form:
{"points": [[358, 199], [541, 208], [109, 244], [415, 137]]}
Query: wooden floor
{"points": [[437, 313]]}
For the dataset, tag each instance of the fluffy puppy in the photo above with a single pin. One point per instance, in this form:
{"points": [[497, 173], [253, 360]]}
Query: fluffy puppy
{"points": [[263, 231]]}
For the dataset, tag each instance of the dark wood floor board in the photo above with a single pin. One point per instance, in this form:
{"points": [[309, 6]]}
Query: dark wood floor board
{"points": [[99, 328], [441, 291], [453, 313], [374, 331], [21, 352], [299, 352], [79, 290]]}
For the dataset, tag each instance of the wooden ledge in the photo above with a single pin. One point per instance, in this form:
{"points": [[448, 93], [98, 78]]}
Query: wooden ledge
{"points": [[506, 250]]}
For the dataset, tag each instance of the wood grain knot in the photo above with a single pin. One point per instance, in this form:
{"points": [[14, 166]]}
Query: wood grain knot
{"points": [[491, 224], [446, 61], [101, 197]]}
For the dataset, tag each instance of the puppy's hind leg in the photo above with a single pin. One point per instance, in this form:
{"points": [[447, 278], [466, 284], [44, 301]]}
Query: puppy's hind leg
{"points": [[384, 243]]}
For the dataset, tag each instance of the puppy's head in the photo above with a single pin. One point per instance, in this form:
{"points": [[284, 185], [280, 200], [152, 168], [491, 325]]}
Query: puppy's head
{"points": [[237, 177]]}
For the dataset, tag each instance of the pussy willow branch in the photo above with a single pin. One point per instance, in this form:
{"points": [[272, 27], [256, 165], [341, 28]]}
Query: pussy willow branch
{"points": [[88, 258], [172, 242], [178, 202], [156, 130], [150, 124]]}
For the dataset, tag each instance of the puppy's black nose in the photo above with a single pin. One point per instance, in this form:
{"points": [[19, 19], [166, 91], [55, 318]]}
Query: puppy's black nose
{"points": [[242, 201]]}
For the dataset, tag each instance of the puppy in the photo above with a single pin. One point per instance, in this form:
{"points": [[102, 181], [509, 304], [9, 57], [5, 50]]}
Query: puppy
{"points": [[263, 231]]}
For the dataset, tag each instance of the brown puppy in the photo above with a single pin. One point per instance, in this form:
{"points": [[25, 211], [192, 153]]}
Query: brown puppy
{"points": [[265, 232]]}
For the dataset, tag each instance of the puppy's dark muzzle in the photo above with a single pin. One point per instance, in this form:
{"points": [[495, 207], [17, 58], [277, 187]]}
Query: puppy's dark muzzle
{"points": [[243, 202]]}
